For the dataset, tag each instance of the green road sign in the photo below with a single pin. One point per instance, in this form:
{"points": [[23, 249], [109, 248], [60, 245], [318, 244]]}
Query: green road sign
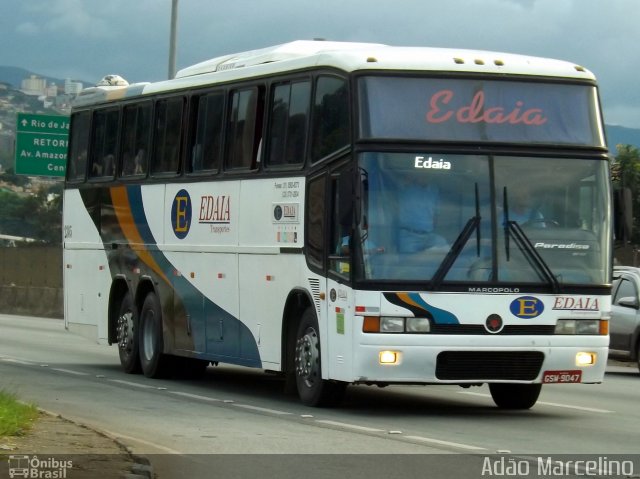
{"points": [[41, 144]]}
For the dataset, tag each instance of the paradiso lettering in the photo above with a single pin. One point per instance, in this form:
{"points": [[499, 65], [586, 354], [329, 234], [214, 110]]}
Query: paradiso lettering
{"points": [[477, 112]]}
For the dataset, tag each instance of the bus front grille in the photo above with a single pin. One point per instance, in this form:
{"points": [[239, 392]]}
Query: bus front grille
{"points": [[489, 365], [509, 329]]}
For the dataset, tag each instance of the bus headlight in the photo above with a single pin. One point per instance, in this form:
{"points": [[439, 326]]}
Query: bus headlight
{"points": [[578, 326], [392, 324], [418, 325]]}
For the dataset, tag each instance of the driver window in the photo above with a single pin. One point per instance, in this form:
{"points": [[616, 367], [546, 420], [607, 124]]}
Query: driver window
{"points": [[341, 222]]}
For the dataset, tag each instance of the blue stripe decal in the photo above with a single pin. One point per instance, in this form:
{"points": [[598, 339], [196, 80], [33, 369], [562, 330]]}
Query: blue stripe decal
{"points": [[440, 316], [214, 331]]}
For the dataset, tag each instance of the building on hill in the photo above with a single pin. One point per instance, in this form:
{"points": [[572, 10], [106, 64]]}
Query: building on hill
{"points": [[34, 85]]}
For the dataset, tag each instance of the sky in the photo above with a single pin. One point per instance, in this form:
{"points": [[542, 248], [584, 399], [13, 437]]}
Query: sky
{"points": [[87, 39]]}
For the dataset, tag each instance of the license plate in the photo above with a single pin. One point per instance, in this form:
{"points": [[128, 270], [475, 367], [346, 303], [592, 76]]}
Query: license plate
{"points": [[556, 377]]}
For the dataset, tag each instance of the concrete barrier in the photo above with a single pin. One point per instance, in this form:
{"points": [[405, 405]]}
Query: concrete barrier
{"points": [[31, 281], [32, 301]]}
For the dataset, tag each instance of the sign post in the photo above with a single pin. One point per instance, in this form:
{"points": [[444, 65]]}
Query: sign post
{"points": [[41, 144]]}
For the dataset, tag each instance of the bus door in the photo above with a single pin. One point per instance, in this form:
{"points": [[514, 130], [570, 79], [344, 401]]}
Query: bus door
{"points": [[340, 296]]}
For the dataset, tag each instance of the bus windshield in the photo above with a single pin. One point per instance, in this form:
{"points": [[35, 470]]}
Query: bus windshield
{"points": [[442, 217]]}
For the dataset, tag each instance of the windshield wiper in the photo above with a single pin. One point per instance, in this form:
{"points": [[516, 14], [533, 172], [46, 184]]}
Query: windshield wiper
{"points": [[458, 245], [512, 228]]}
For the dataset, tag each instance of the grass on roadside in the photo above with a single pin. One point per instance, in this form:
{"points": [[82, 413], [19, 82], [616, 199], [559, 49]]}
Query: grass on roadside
{"points": [[15, 417]]}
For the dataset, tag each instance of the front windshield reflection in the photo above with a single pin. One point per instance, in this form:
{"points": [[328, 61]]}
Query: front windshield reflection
{"points": [[473, 218]]}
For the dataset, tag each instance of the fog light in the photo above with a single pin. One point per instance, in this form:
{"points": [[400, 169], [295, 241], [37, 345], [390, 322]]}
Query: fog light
{"points": [[586, 359], [389, 357]]}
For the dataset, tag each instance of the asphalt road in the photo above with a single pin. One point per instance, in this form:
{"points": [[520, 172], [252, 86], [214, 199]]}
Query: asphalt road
{"points": [[235, 419]]}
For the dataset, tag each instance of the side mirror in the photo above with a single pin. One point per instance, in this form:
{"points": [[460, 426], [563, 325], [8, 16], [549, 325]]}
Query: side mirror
{"points": [[629, 302]]}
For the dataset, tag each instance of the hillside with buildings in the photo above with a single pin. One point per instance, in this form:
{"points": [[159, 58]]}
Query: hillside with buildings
{"points": [[31, 206], [24, 92]]}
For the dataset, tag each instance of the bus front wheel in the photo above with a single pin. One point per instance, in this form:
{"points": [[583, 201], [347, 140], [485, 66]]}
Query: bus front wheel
{"points": [[312, 389], [127, 335], [155, 364], [515, 396]]}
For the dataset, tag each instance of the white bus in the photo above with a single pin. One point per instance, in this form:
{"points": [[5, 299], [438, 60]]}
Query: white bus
{"points": [[346, 213]]}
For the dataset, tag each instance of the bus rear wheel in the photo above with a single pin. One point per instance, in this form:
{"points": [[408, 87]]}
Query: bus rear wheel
{"points": [[127, 335], [312, 389], [154, 363], [515, 396]]}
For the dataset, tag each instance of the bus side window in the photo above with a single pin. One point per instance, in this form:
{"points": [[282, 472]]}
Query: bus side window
{"points": [[205, 144], [330, 117], [244, 129], [289, 119], [167, 135], [79, 145], [135, 139], [103, 146]]}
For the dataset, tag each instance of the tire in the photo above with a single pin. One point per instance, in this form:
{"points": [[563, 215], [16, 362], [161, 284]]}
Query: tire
{"points": [[312, 389], [127, 336], [515, 396], [155, 364]]}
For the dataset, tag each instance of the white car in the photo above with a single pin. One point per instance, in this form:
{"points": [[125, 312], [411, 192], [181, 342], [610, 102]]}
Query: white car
{"points": [[624, 327]]}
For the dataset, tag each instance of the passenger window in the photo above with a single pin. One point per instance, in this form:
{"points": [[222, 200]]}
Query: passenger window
{"points": [[330, 117], [206, 142], [103, 146], [79, 146], [289, 119], [244, 129], [135, 142], [168, 127]]}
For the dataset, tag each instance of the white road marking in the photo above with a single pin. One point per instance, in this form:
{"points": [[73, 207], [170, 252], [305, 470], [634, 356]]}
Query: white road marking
{"points": [[262, 409], [571, 406], [445, 443], [69, 371], [129, 383], [544, 403], [17, 361], [194, 396], [349, 426]]}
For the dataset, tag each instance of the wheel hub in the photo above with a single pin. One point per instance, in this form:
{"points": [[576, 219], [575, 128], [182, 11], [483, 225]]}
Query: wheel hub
{"points": [[307, 357], [125, 330]]}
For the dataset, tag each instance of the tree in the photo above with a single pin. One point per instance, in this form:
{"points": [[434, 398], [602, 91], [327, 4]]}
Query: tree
{"points": [[37, 215]]}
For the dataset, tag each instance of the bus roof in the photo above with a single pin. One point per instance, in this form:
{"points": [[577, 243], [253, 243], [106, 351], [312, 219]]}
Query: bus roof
{"points": [[346, 56]]}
